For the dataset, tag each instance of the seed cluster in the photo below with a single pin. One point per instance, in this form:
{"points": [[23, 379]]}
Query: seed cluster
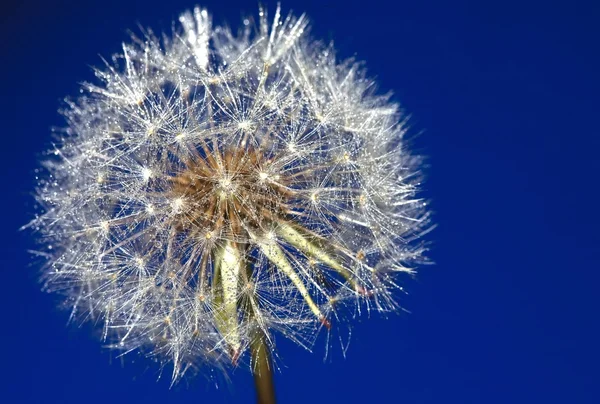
{"points": [[213, 186], [230, 192]]}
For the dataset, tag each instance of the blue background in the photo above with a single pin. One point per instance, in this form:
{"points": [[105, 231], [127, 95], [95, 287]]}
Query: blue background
{"points": [[506, 94]]}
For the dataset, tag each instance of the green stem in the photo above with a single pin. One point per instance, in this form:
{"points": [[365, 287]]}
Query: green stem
{"points": [[263, 371]]}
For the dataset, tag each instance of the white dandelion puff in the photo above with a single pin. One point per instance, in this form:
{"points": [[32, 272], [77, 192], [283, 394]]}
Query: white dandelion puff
{"points": [[213, 187]]}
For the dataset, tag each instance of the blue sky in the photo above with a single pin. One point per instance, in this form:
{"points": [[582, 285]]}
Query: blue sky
{"points": [[504, 100]]}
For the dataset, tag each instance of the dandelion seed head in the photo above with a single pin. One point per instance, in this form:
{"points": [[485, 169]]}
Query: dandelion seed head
{"points": [[212, 185]]}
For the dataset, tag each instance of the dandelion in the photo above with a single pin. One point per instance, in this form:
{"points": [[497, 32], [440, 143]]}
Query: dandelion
{"points": [[213, 190]]}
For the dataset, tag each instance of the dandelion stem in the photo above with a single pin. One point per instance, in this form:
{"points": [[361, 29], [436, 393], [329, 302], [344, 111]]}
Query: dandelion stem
{"points": [[263, 371]]}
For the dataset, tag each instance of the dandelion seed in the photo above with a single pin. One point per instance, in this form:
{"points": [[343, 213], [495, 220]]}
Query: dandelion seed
{"points": [[105, 226], [177, 205], [214, 190], [146, 174]]}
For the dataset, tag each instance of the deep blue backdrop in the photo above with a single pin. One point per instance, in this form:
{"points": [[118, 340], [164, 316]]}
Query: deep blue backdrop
{"points": [[506, 94]]}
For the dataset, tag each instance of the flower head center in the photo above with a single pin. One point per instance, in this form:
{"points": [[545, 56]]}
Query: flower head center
{"points": [[228, 193]]}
